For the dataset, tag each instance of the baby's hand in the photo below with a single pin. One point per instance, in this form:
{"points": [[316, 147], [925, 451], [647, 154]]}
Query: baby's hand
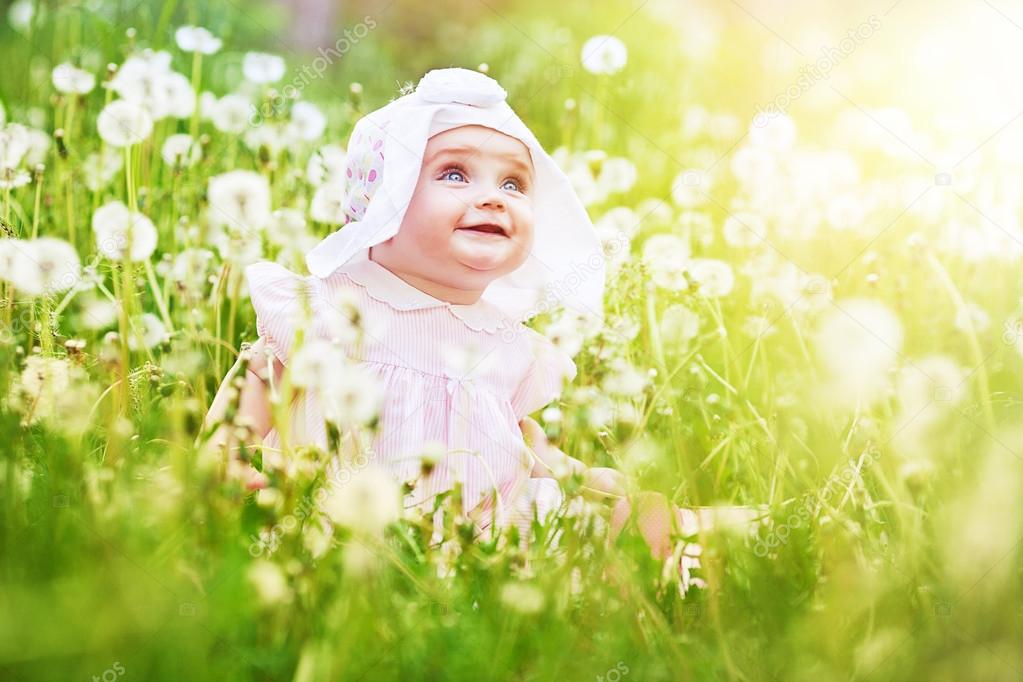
{"points": [[549, 461], [654, 520], [604, 482], [245, 474]]}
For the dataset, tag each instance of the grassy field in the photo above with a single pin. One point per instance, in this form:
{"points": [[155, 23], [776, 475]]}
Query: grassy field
{"points": [[812, 225]]}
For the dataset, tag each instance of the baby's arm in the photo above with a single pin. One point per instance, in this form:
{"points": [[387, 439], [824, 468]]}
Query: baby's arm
{"points": [[253, 403], [653, 509], [551, 462]]}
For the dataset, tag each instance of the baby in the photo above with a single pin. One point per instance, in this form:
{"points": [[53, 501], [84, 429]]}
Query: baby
{"points": [[458, 224]]}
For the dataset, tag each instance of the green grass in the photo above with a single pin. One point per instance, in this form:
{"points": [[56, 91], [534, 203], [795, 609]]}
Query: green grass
{"points": [[892, 545]]}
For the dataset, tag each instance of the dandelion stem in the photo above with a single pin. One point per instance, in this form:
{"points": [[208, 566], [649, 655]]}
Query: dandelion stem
{"points": [[752, 361], [217, 295], [36, 205], [69, 204], [979, 360], [72, 100], [598, 112], [125, 359], [45, 330], [65, 301], [655, 331], [232, 309], [722, 333], [154, 285], [165, 16], [8, 303], [193, 127], [127, 292]]}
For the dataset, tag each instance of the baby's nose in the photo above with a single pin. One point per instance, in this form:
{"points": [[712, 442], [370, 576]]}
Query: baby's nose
{"points": [[490, 200]]}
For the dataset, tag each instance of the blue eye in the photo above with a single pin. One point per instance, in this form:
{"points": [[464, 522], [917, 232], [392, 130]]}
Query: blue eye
{"points": [[518, 185], [456, 171]]}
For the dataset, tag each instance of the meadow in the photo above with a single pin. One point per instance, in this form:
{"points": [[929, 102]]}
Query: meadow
{"points": [[813, 309]]}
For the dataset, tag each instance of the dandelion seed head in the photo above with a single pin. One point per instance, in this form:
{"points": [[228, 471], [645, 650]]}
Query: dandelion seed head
{"points": [[604, 55]]}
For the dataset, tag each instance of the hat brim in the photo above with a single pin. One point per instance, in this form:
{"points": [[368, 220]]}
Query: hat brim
{"points": [[566, 264]]}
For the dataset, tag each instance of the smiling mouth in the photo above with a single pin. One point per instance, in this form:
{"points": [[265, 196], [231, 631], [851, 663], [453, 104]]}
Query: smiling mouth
{"points": [[487, 228]]}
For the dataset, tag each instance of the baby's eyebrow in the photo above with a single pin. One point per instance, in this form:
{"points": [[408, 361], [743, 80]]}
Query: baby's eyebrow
{"points": [[469, 150]]}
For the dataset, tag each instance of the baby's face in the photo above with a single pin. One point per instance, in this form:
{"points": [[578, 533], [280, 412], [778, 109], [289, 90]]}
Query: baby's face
{"points": [[471, 176]]}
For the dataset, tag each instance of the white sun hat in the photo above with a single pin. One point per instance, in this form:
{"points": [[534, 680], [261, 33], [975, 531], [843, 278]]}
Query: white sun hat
{"points": [[566, 265]]}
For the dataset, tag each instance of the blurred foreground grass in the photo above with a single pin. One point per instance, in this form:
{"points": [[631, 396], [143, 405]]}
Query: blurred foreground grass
{"points": [[817, 310]]}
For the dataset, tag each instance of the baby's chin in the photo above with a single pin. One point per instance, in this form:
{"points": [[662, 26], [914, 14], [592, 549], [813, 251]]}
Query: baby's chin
{"points": [[484, 253]]}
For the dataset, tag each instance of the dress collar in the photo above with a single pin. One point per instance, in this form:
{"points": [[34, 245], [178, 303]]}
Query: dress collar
{"points": [[385, 286]]}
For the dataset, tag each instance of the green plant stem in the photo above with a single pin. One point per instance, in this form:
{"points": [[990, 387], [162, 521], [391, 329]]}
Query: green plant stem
{"points": [[154, 285], [983, 382], [36, 206], [193, 127], [45, 330]]}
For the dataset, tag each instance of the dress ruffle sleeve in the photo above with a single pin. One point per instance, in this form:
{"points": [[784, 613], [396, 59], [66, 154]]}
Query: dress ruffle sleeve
{"points": [[278, 296], [550, 369]]}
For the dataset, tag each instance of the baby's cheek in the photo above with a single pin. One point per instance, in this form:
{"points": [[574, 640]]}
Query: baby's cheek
{"points": [[526, 238]]}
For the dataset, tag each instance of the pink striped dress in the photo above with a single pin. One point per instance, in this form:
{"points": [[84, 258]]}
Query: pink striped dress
{"points": [[459, 375]]}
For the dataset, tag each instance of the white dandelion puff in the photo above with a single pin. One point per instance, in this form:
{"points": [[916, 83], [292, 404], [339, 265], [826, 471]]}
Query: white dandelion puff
{"points": [[858, 342], [190, 270], [625, 379], [327, 205], [617, 175], [230, 114], [313, 365], [604, 55], [122, 123], [43, 266], [59, 266], [287, 226], [679, 322], [777, 134], [69, 79], [366, 504], [523, 597], [239, 200], [180, 150], [100, 170], [269, 582], [691, 187], [261, 67], [98, 313], [744, 229], [178, 97], [665, 256], [326, 164], [151, 330], [714, 278], [307, 122], [14, 145], [352, 395], [121, 234], [146, 79], [197, 39], [270, 134]]}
